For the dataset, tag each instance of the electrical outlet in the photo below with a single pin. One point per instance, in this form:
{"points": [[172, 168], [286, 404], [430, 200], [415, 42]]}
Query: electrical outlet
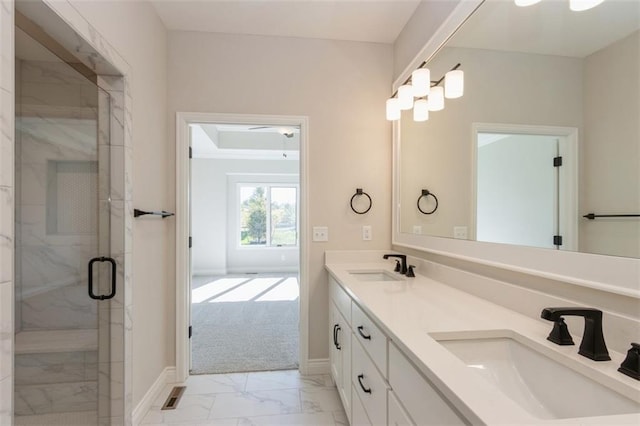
{"points": [[366, 232], [320, 233], [460, 232], [417, 229]]}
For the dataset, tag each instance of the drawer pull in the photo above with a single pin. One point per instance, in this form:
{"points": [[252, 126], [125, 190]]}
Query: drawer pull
{"points": [[360, 377], [364, 336], [336, 329]]}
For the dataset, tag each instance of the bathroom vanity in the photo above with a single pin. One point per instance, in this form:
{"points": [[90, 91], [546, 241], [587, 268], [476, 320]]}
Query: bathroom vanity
{"points": [[416, 351]]}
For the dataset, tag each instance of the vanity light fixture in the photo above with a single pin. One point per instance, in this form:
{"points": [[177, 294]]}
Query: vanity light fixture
{"points": [[421, 82], [575, 5], [429, 93], [523, 3], [405, 96], [421, 110], [453, 84], [393, 109], [436, 99], [580, 5]]}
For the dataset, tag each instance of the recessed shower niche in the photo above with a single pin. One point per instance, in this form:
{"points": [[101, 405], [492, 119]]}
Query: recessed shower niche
{"points": [[69, 245], [69, 185]]}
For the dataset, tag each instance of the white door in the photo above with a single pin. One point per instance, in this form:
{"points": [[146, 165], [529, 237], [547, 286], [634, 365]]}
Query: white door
{"points": [[517, 189]]}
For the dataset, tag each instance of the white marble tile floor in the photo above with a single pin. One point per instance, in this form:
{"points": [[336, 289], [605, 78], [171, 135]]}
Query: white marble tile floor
{"points": [[247, 399]]}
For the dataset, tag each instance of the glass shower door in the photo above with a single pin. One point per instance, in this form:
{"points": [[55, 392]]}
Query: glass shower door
{"points": [[63, 270]]}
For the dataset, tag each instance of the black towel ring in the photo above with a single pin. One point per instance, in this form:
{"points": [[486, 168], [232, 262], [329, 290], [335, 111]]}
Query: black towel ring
{"points": [[426, 193], [359, 192]]}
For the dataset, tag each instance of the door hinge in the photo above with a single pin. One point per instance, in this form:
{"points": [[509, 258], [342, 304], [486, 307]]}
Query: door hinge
{"points": [[190, 152], [190, 242], [557, 161], [557, 240], [190, 331]]}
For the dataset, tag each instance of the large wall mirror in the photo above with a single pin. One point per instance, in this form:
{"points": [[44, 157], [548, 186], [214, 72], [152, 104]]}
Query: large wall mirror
{"points": [[541, 82]]}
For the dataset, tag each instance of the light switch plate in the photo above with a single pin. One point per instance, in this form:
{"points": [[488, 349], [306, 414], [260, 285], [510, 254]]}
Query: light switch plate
{"points": [[460, 232], [366, 233], [320, 233]]}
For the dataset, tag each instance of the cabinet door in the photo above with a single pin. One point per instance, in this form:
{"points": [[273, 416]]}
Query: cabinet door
{"points": [[335, 356], [341, 299], [340, 356], [344, 341]]}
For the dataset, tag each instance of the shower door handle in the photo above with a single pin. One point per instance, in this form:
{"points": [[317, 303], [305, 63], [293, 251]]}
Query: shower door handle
{"points": [[113, 278]]}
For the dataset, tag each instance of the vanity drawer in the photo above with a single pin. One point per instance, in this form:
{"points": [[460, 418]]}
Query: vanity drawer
{"points": [[358, 414], [340, 298], [423, 403], [397, 415], [369, 385], [373, 340]]}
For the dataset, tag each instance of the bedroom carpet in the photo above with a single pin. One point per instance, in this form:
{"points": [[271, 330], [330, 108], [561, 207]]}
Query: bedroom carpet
{"points": [[241, 336]]}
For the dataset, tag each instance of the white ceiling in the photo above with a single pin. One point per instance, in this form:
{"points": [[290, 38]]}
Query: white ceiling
{"points": [[245, 142], [378, 21]]}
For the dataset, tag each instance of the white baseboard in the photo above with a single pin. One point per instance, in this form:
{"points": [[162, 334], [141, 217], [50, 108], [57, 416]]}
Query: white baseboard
{"points": [[168, 375], [315, 367]]}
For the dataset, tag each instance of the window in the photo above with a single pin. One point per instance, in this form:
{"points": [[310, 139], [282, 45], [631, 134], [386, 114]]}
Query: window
{"points": [[268, 215]]}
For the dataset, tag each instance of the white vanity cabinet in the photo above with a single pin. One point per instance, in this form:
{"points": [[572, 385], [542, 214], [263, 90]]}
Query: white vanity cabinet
{"points": [[369, 366], [372, 339], [359, 415], [369, 385], [378, 385], [422, 401], [397, 414], [340, 341]]}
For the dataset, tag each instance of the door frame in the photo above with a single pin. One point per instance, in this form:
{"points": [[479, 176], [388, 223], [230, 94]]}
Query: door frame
{"points": [[568, 174], [183, 226]]}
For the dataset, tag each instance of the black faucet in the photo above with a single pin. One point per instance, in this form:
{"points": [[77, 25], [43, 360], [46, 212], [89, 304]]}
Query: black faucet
{"points": [[631, 364], [592, 345], [403, 259]]}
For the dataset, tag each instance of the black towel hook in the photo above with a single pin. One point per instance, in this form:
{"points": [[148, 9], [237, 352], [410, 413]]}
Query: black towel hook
{"points": [[358, 193], [425, 193]]}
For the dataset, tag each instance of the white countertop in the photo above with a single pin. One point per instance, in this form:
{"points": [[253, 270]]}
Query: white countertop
{"points": [[410, 309]]}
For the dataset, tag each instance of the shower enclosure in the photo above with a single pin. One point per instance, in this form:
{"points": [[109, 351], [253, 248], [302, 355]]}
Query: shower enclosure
{"points": [[64, 276]]}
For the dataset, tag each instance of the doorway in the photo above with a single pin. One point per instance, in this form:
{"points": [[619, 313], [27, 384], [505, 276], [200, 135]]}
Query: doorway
{"points": [[245, 247], [243, 298], [524, 181]]}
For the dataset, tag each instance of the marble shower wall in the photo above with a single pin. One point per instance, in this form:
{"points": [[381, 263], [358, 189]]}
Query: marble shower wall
{"points": [[6, 210], [56, 198], [62, 21]]}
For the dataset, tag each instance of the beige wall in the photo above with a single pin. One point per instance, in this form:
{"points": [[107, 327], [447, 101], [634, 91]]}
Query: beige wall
{"points": [[341, 87], [136, 32], [611, 154]]}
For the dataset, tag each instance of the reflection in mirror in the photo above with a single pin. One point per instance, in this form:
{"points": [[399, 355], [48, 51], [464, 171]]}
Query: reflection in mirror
{"points": [[541, 82]]}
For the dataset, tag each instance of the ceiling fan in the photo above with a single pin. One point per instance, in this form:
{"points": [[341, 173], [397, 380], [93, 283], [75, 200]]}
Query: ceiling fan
{"points": [[285, 132]]}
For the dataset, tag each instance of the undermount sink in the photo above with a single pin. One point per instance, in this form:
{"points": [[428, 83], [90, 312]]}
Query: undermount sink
{"points": [[374, 276], [542, 386]]}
